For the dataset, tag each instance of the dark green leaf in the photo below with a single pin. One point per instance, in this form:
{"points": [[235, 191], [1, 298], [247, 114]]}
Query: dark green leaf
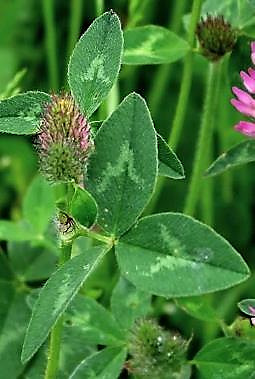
{"points": [[240, 154], [169, 165], [128, 303], [199, 307], [152, 44], [31, 263], [83, 207], [123, 169], [247, 306], [106, 364], [20, 114], [93, 319], [95, 62], [39, 205], [173, 255], [14, 317], [58, 291], [228, 358]]}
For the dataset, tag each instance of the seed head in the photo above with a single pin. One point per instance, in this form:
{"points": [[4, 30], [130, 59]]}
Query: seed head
{"points": [[63, 141], [216, 37]]}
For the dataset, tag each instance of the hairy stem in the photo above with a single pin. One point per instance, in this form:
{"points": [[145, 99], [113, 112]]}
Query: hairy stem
{"points": [[75, 24], [204, 141], [51, 38], [55, 336]]}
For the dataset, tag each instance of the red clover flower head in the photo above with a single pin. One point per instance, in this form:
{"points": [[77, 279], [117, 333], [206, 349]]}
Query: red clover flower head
{"points": [[63, 141], [244, 102], [216, 37]]}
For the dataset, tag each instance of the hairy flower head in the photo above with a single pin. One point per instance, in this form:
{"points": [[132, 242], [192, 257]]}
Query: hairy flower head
{"points": [[216, 37], [155, 352], [244, 102], [64, 140]]}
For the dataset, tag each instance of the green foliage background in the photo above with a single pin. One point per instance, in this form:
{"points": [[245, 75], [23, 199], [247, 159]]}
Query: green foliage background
{"points": [[25, 44]]}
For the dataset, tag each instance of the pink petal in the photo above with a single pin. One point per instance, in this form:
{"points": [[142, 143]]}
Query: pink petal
{"points": [[245, 127], [253, 52], [251, 72], [248, 81], [243, 108], [252, 309], [243, 96]]}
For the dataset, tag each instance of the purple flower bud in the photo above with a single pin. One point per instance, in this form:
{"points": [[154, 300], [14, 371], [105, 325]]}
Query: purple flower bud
{"points": [[63, 141]]}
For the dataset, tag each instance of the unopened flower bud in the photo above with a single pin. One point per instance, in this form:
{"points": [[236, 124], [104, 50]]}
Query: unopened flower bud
{"points": [[216, 37], [155, 352], [63, 141]]}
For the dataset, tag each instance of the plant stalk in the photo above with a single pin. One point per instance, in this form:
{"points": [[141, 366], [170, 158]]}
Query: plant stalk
{"points": [[55, 336], [204, 141], [75, 24], [51, 44]]}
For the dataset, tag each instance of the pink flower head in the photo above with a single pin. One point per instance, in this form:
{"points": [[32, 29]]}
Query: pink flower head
{"points": [[244, 102], [64, 140]]}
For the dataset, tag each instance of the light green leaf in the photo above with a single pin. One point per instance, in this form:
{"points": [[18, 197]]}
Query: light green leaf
{"points": [[58, 291], [152, 44], [95, 62], [199, 307], [174, 255], [20, 114], [247, 306], [93, 319], [228, 358], [31, 263], [128, 303], [169, 165], [15, 231], [122, 171], [39, 204], [240, 154], [83, 207], [14, 316], [106, 364]]}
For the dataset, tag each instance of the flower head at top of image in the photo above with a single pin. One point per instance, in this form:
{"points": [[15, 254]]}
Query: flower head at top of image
{"points": [[244, 102], [63, 141]]}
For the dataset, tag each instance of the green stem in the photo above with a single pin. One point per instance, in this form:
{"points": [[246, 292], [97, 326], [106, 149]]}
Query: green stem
{"points": [[99, 7], [161, 78], [50, 32], [55, 336], [207, 200], [186, 79], [203, 142], [82, 231], [75, 24]]}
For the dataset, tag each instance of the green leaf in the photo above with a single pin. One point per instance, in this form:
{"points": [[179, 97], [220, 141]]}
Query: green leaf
{"points": [[20, 114], [95, 62], [106, 364], [152, 44], [123, 169], [228, 358], [14, 316], [83, 207], [169, 165], [199, 307], [96, 321], [247, 306], [240, 154], [173, 255], [31, 263], [128, 303], [58, 291], [15, 231], [39, 204]]}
